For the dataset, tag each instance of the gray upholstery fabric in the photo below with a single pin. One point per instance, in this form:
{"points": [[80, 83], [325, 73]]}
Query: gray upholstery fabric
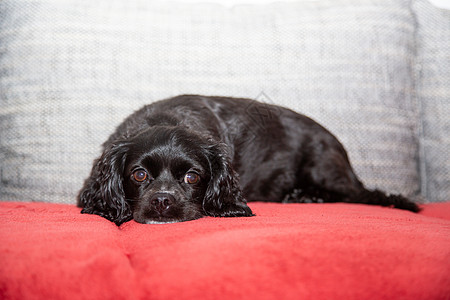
{"points": [[433, 92], [70, 71]]}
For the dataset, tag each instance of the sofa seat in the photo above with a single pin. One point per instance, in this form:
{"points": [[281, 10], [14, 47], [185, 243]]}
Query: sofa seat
{"points": [[287, 251]]}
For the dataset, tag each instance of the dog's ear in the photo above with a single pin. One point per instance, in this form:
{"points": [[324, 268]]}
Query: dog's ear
{"points": [[103, 192], [223, 197]]}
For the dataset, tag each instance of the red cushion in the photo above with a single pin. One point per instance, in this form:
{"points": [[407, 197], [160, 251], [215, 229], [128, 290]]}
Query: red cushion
{"points": [[288, 251]]}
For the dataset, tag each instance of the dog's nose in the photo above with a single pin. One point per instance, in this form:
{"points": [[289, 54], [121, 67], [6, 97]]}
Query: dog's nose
{"points": [[162, 201]]}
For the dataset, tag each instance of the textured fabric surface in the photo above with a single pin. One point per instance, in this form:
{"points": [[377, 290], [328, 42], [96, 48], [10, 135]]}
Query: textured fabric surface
{"points": [[70, 71], [433, 92], [294, 251]]}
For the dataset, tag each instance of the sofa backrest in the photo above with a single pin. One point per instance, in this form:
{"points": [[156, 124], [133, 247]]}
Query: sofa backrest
{"points": [[375, 72], [433, 94]]}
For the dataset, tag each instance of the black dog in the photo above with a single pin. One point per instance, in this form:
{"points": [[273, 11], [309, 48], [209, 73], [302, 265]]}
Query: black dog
{"points": [[189, 156]]}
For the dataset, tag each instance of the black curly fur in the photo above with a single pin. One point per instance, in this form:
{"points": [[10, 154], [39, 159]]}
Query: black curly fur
{"points": [[240, 149]]}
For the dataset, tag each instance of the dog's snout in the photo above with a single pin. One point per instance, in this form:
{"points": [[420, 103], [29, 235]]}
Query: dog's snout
{"points": [[162, 201]]}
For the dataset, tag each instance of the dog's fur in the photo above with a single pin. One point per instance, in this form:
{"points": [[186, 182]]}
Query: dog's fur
{"points": [[189, 156]]}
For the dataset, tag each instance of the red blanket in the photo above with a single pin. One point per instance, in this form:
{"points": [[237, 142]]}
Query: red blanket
{"points": [[287, 251]]}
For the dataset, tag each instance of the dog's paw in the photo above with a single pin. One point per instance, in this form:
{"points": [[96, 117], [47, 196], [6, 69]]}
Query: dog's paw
{"points": [[232, 210], [301, 196]]}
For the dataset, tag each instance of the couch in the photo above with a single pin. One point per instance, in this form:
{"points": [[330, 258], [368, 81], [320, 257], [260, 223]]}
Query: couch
{"points": [[374, 72]]}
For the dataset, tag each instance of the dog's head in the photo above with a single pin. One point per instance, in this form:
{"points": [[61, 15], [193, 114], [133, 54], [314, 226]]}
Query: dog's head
{"points": [[163, 175]]}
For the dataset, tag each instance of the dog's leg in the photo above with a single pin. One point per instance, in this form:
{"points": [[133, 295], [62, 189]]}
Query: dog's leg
{"points": [[364, 196], [335, 181], [342, 185], [302, 196], [311, 195]]}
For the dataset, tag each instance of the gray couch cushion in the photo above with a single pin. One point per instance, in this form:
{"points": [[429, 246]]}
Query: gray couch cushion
{"points": [[433, 92], [71, 71]]}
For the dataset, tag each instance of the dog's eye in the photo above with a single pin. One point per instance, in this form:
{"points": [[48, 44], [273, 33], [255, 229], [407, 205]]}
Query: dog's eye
{"points": [[139, 175], [191, 178]]}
